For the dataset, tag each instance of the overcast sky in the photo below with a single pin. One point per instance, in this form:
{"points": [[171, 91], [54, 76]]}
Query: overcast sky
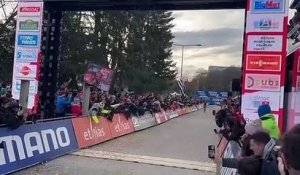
{"points": [[220, 32]]}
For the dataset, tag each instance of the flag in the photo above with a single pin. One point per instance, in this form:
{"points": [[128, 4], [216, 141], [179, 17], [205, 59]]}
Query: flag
{"points": [[181, 87]]}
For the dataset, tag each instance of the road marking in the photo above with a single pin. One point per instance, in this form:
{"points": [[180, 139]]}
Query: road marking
{"points": [[177, 163]]}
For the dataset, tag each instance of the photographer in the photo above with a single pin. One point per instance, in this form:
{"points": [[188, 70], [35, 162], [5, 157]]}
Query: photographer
{"points": [[10, 116]]}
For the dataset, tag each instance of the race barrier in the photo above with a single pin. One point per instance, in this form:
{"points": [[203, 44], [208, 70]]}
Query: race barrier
{"points": [[33, 144], [36, 143], [142, 122]]}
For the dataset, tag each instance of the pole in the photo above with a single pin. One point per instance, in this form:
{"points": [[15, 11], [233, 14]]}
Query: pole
{"points": [[86, 99], [24, 92], [181, 63]]}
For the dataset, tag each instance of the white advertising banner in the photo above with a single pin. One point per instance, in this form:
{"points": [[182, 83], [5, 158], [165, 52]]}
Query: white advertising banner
{"points": [[265, 43], [251, 115], [265, 23], [251, 101], [25, 71], [30, 8], [27, 48], [265, 82]]}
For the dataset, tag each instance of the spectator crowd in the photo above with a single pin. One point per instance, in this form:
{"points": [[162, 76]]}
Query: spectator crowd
{"points": [[264, 151]]}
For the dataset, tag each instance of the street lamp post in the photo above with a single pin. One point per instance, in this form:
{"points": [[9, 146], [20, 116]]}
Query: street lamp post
{"points": [[182, 50]]}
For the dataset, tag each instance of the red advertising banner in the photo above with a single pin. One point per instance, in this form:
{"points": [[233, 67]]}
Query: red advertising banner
{"points": [[88, 133], [161, 117], [263, 62], [298, 67], [120, 126]]}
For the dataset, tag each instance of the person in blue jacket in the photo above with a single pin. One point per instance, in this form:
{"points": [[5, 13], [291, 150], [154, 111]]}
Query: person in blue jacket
{"points": [[62, 103]]}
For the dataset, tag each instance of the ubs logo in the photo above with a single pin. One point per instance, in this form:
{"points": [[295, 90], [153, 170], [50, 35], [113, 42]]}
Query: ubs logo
{"points": [[263, 82]]}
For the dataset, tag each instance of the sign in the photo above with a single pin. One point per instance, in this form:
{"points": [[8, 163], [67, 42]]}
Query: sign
{"points": [[271, 43], [266, 82], [171, 114], [97, 76], [255, 99], [25, 71], [298, 84], [105, 79], [120, 126], [30, 9], [298, 67], [263, 62], [251, 115], [33, 144], [161, 117], [142, 122], [213, 97], [26, 55], [33, 86], [29, 24], [88, 133], [28, 40], [265, 23], [268, 6]]}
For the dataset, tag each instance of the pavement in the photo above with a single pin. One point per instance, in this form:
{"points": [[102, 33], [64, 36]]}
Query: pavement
{"points": [[176, 147]]}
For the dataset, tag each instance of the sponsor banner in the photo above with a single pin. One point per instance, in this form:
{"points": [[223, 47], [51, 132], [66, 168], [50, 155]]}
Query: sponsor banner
{"points": [[259, 43], [26, 55], [142, 122], [29, 24], [297, 102], [30, 9], [298, 84], [33, 86], [33, 144], [264, 23], [171, 114], [179, 111], [28, 40], [25, 71], [268, 6], [161, 117], [298, 67], [251, 101], [88, 133], [251, 115], [263, 62], [267, 82], [120, 126]]}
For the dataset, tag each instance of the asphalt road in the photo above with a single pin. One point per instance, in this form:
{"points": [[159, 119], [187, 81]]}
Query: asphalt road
{"points": [[182, 139]]}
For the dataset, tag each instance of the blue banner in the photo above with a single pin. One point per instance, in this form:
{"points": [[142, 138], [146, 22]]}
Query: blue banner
{"points": [[212, 97], [33, 144], [26, 40]]}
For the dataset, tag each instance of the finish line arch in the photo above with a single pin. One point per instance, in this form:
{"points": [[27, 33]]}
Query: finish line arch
{"points": [[264, 58]]}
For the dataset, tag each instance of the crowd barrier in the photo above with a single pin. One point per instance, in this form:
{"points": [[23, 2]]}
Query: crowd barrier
{"points": [[228, 149], [36, 143]]}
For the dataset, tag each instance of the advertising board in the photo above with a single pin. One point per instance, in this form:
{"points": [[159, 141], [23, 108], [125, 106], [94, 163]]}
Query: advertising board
{"points": [[268, 6], [144, 121], [88, 133], [120, 125], [161, 117], [25, 71], [30, 8], [33, 144], [265, 82], [265, 23], [28, 40], [256, 62], [253, 100], [264, 43]]}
